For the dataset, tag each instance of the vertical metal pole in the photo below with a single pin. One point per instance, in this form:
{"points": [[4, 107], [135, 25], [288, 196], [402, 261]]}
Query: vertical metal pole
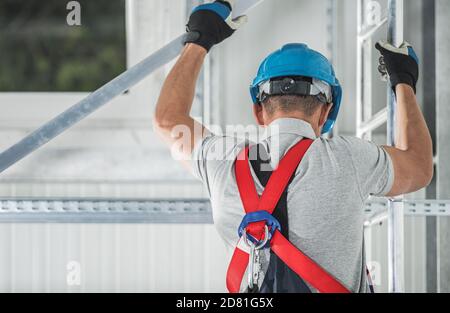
{"points": [[443, 139], [332, 28], [395, 207], [429, 78], [359, 70], [367, 86]]}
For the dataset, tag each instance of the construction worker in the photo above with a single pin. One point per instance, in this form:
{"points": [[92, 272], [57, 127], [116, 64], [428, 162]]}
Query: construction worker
{"points": [[297, 226]]}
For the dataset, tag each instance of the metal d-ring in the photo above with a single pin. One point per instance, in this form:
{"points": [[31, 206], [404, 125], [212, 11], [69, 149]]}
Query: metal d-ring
{"points": [[261, 244]]}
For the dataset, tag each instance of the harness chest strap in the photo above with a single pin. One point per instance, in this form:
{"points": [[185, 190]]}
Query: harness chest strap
{"points": [[297, 261]]}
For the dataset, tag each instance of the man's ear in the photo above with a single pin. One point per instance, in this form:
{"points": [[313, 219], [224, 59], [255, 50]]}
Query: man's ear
{"points": [[258, 113], [324, 113]]}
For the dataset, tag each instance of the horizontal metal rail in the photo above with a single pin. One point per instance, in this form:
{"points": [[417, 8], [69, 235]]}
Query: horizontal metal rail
{"points": [[184, 211], [191, 211], [375, 122], [376, 219], [371, 31], [376, 210]]}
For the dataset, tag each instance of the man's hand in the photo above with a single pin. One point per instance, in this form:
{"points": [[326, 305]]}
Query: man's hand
{"points": [[213, 23], [401, 64]]}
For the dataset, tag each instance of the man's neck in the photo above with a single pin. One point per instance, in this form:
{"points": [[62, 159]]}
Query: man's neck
{"points": [[298, 116]]}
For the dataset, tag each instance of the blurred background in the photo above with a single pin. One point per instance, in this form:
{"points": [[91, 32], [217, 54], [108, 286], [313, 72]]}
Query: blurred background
{"points": [[47, 65]]}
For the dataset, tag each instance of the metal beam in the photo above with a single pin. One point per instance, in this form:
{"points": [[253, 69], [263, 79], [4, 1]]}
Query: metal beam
{"points": [[443, 138], [167, 211], [371, 125], [101, 97], [367, 34], [185, 211], [396, 272], [428, 73], [418, 208], [359, 69]]}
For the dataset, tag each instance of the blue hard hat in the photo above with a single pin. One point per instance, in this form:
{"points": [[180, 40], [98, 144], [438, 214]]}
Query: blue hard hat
{"points": [[298, 59]]}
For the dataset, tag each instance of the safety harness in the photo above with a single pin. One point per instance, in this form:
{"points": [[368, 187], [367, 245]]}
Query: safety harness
{"points": [[261, 230]]}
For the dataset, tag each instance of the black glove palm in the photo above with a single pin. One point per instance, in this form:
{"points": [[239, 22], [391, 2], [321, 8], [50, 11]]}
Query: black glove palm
{"points": [[401, 63], [213, 23]]}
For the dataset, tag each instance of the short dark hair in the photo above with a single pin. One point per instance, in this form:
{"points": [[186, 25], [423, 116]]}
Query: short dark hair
{"points": [[308, 105]]}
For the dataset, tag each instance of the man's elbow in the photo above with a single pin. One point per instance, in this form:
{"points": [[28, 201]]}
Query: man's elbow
{"points": [[428, 174], [424, 176], [163, 123]]}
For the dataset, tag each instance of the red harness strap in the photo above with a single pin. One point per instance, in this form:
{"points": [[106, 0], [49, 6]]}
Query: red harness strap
{"points": [[297, 261]]}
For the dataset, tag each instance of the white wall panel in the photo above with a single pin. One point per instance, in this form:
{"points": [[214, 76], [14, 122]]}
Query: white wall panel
{"points": [[112, 258]]}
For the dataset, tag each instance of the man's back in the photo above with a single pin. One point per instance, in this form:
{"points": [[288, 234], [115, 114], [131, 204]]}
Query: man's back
{"points": [[324, 202], [325, 199]]}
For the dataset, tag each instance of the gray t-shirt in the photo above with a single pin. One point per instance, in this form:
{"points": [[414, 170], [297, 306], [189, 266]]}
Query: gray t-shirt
{"points": [[325, 199]]}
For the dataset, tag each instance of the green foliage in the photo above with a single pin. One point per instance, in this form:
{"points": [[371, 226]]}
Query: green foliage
{"points": [[40, 52]]}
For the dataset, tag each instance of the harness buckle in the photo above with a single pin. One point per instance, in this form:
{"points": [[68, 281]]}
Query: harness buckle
{"points": [[249, 240], [259, 216], [256, 245], [254, 267], [254, 264]]}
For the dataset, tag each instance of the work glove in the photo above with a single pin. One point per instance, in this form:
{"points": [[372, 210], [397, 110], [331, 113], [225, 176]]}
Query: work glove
{"points": [[400, 64], [212, 23]]}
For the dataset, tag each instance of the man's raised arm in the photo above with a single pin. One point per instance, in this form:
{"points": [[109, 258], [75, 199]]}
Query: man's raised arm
{"points": [[209, 24], [412, 155]]}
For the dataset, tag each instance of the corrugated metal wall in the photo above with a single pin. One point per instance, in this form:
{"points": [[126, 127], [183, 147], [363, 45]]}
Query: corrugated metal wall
{"points": [[415, 265], [111, 258]]}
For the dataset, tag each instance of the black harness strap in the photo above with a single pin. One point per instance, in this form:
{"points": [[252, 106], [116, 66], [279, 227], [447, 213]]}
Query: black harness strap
{"points": [[260, 162], [279, 277]]}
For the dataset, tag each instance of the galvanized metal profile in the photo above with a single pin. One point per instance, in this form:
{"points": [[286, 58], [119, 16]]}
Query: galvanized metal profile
{"points": [[365, 121], [396, 270], [442, 40], [174, 211], [368, 83], [427, 208], [417, 208], [192, 211], [375, 211], [367, 34], [359, 69], [372, 124]]}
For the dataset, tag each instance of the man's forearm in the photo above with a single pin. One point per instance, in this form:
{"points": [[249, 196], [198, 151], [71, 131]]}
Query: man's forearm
{"points": [[412, 156], [211, 24], [413, 152], [172, 120], [175, 101], [412, 131]]}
